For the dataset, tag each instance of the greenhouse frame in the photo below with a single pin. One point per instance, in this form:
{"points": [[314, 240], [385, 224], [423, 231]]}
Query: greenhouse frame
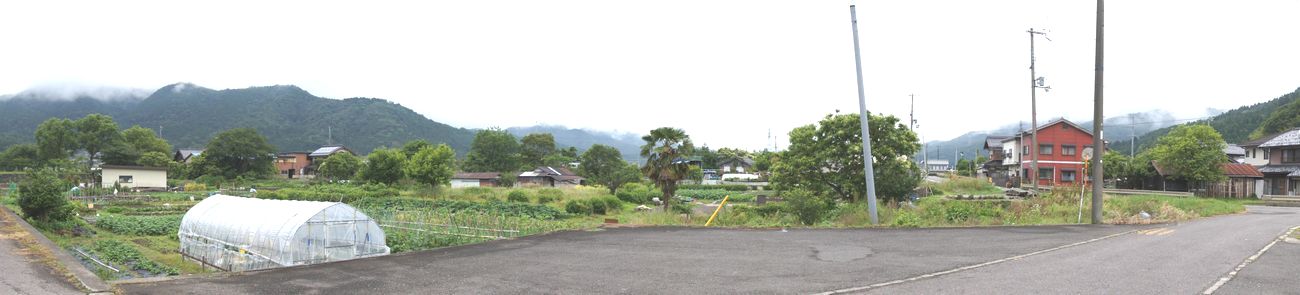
{"points": [[236, 234]]}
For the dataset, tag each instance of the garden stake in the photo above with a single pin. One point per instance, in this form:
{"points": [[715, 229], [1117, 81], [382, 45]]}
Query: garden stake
{"points": [[715, 211]]}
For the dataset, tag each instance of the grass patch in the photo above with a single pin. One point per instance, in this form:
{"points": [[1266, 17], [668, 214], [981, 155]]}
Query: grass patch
{"points": [[961, 185]]}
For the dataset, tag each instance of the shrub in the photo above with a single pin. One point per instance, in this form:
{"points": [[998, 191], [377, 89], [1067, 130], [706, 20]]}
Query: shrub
{"points": [[578, 207], [597, 206], [545, 199], [40, 197], [637, 193], [727, 187], [478, 191], [683, 208], [195, 187], [906, 218], [554, 193], [517, 196], [809, 207], [613, 204]]}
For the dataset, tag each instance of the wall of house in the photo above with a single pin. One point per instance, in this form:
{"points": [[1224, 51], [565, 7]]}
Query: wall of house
{"points": [[139, 178], [1013, 157], [1275, 155], [296, 162], [1059, 135], [458, 183], [1255, 156]]}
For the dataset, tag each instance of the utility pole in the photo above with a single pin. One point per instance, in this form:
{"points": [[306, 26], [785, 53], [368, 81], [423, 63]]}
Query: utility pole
{"points": [[1034, 84], [1097, 177], [862, 114]]}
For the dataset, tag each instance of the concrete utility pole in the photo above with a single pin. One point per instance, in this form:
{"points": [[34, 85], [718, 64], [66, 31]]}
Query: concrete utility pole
{"points": [[1033, 114], [1097, 177], [866, 136]]}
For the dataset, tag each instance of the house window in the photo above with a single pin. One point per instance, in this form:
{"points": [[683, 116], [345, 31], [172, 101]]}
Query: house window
{"points": [[1025, 151], [1266, 154], [1044, 149], [128, 178], [1290, 155], [1045, 173], [1067, 150], [1067, 175]]}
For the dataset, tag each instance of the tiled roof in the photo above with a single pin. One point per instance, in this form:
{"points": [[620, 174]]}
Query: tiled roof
{"points": [[1235, 150], [994, 141], [1289, 138], [1279, 169], [327, 150], [1241, 170], [1262, 140]]}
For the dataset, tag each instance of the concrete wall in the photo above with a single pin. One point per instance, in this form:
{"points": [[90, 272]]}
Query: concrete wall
{"points": [[139, 178]]}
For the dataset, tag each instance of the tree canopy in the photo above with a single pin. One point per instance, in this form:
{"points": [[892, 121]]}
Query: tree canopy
{"points": [[383, 165], [827, 158], [493, 150], [433, 166], [339, 166], [663, 149], [535, 148], [1191, 152], [241, 152], [604, 165], [96, 132], [134, 143], [56, 139]]}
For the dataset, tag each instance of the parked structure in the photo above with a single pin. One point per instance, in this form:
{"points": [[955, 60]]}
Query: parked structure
{"points": [[1060, 153], [236, 234], [476, 179], [293, 164], [136, 177], [547, 176]]}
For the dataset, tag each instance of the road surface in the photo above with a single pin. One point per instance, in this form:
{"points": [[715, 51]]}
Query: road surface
{"points": [[1173, 258], [20, 272]]}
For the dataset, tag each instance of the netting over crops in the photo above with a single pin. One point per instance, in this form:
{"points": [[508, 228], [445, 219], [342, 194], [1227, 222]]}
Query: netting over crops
{"points": [[235, 234]]}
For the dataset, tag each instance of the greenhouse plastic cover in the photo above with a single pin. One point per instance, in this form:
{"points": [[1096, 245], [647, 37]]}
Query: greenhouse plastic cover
{"points": [[235, 233]]}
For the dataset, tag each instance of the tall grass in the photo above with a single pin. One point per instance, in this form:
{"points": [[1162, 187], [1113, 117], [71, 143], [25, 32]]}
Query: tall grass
{"points": [[959, 185]]}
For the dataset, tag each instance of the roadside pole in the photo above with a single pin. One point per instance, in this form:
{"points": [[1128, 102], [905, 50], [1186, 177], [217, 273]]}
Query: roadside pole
{"points": [[1097, 179], [866, 136]]}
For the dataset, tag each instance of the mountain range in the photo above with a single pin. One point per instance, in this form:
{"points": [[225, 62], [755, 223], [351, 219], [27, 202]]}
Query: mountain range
{"points": [[291, 118]]}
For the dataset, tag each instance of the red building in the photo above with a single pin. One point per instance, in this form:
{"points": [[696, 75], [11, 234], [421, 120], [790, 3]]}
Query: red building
{"points": [[1060, 153], [292, 164]]}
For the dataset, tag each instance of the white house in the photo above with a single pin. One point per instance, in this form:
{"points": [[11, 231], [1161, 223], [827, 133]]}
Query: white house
{"points": [[937, 165], [134, 176]]}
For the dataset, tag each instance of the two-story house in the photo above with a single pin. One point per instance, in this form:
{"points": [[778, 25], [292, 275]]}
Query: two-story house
{"points": [[996, 170], [1282, 172], [1256, 155], [1060, 153]]}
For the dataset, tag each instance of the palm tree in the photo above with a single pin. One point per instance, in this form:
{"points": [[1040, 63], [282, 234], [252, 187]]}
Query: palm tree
{"points": [[665, 150]]}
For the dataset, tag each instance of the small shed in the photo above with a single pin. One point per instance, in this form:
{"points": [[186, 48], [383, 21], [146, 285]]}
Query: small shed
{"points": [[476, 179], [236, 234], [134, 176]]}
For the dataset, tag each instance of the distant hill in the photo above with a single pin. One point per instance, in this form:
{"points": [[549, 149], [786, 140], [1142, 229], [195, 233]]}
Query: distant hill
{"points": [[291, 118], [1237, 125], [627, 143], [1119, 127]]}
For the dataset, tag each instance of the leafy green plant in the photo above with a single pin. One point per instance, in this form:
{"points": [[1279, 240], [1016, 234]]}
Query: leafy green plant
{"points": [[518, 196], [579, 207], [140, 225]]}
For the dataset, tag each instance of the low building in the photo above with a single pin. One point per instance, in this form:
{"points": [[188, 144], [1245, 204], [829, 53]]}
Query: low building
{"points": [[186, 155], [138, 177], [1243, 180], [1282, 172], [293, 164], [547, 176], [736, 165], [476, 179], [937, 165]]}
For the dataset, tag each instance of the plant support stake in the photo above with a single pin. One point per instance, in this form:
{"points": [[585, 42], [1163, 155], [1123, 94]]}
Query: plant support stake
{"points": [[862, 114]]}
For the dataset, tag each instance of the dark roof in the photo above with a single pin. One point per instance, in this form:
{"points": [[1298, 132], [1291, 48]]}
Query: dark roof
{"points": [[1262, 140], [1054, 122], [994, 141], [329, 150], [1289, 138], [477, 175], [291, 153], [746, 161], [1270, 169], [125, 167], [1241, 170]]}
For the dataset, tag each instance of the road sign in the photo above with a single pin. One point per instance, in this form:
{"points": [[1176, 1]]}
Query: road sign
{"points": [[1087, 154]]}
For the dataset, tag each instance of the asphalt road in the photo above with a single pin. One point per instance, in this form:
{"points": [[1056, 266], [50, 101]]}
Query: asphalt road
{"points": [[20, 273], [1177, 258]]}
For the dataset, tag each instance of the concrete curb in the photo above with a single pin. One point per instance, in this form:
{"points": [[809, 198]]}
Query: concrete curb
{"points": [[89, 281]]}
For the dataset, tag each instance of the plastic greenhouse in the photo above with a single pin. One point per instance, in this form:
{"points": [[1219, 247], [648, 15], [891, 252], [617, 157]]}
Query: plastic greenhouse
{"points": [[236, 234]]}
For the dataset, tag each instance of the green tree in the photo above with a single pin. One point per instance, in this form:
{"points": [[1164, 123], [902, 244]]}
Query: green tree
{"points": [[339, 166], [432, 165], [200, 166], [96, 132], [1282, 119], [156, 159], [571, 152], [662, 150], [493, 150], [414, 146], [40, 196], [1192, 153], [604, 165], [708, 158], [383, 166], [56, 139], [20, 156], [764, 160], [535, 148], [826, 159], [241, 152], [135, 142]]}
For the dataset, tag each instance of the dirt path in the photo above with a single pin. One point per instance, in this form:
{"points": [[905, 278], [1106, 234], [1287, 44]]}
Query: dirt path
{"points": [[24, 269]]}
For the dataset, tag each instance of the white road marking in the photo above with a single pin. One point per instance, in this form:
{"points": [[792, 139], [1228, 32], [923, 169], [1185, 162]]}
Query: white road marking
{"points": [[1232, 274], [968, 267]]}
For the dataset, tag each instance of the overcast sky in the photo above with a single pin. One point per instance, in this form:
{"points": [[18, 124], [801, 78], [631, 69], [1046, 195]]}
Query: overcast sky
{"points": [[725, 71]]}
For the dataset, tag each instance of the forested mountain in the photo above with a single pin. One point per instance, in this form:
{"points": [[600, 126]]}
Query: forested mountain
{"points": [[628, 144], [1238, 125], [292, 119]]}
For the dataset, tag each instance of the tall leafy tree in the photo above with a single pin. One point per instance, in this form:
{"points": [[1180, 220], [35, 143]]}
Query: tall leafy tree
{"points": [[241, 152], [383, 165], [1192, 153], [136, 141], [96, 132], [156, 159], [493, 150], [56, 139], [339, 166], [664, 150], [40, 196], [826, 159], [604, 165], [20, 156], [432, 165], [535, 148], [414, 146]]}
